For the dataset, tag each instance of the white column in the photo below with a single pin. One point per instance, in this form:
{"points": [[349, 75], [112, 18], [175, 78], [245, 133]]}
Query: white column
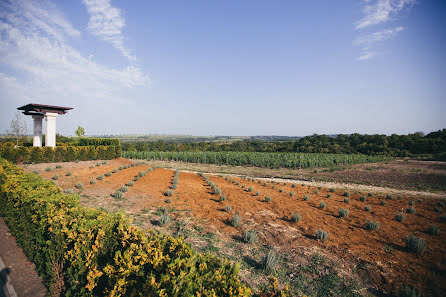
{"points": [[37, 140], [50, 135]]}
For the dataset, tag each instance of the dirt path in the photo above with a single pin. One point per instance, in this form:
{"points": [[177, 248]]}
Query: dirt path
{"points": [[23, 273]]}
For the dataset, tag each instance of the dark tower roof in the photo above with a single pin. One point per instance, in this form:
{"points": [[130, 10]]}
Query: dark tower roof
{"points": [[32, 109]]}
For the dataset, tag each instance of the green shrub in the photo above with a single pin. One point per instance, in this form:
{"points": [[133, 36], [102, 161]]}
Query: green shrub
{"points": [[415, 244], [100, 177], [269, 261], [55, 177], [441, 204], [291, 194], [68, 173], [168, 200], [321, 235], [115, 170], [79, 186], [222, 198], [411, 202], [370, 194], [332, 190], [35, 171], [410, 210], [433, 230], [124, 189], [164, 220], [399, 216], [343, 212], [408, 291], [295, 217], [250, 236], [389, 197], [372, 225], [329, 195], [346, 194], [306, 198], [141, 173], [257, 194], [236, 220], [347, 200], [117, 194], [273, 187], [438, 209], [315, 191], [217, 191], [92, 181], [281, 190], [322, 205], [249, 189], [130, 183], [420, 200], [362, 198], [48, 169], [91, 166], [293, 185], [108, 174], [98, 164], [367, 208], [136, 178], [228, 208], [69, 191], [168, 193], [58, 166], [383, 202], [267, 198]]}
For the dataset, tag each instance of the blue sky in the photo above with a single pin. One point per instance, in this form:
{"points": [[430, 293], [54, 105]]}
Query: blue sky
{"points": [[248, 67]]}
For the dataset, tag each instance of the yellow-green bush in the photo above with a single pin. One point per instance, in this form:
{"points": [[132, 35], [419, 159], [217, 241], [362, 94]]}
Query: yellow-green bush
{"points": [[84, 252], [57, 154]]}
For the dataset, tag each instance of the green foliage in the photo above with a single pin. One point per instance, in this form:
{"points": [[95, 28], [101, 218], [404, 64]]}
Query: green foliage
{"points": [[408, 291], [383, 202], [68, 173], [69, 191], [322, 205], [329, 195], [80, 132], [48, 169], [85, 141], [315, 191], [306, 198], [399, 216], [58, 166], [117, 194], [343, 212], [236, 221], [92, 181], [291, 194], [370, 194], [130, 183], [267, 198], [322, 235], [367, 208], [347, 200], [228, 208], [293, 185], [164, 219], [281, 190], [250, 236], [411, 202], [389, 197], [55, 177], [269, 261], [217, 191], [108, 174], [295, 217], [100, 177], [433, 230], [250, 189], [415, 244], [332, 190], [372, 225], [346, 194], [362, 198], [124, 189], [222, 198], [168, 193], [410, 210], [79, 186]]}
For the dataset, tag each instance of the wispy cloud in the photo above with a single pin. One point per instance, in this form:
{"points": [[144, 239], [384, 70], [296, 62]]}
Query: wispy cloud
{"points": [[37, 62], [378, 12], [107, 23], [382, 11]]}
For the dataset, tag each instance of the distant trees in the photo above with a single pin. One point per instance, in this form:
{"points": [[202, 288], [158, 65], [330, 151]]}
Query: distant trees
{"points": [[80, 132], [17, 127]]}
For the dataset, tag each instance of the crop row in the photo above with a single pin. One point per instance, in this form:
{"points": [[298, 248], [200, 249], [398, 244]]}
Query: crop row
{"points": [[270, 160]]}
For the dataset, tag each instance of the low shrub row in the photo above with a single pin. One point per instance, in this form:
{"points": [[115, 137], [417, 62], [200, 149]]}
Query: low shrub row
{"points": [[85, 252], [58, 154], [85, 141]]}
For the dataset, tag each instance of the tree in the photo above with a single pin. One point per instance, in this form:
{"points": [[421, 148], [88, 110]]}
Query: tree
{"points": [[80, 132], [17, 127]]}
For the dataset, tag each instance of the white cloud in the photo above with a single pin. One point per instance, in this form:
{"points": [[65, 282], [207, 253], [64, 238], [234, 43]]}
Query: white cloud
{"points": [[382, 11], [379, 36], [366, 55], [37, 63], [107, 23]]}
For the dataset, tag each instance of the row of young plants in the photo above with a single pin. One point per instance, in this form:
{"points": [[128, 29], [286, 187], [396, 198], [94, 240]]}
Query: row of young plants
{"points": [[125, 188], [269, 160], [87, 252], [173, 185]]}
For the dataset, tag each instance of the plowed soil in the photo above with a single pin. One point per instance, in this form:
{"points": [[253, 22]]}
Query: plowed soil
{"points": [[388, 263]]}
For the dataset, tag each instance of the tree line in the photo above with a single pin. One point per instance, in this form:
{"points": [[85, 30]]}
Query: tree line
{"points": [[393, 145]]}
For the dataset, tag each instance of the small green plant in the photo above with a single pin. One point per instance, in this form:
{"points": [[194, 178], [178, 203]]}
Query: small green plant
{"points": [[249, 189], [389, 197], [91, 166], [273, 187], [55, 177], [415, 244], [124, 189], [168, 200], [79, 186], [372, 225], [58, 166], [103, 162], [68, 173], [346, 194], [332, 190], [281, 190], [315, 191], [164, 219], [100, 177], [399, 216], [98, 164], [306, 198], [228, 208], [433, 230], [130, 183], [117, 194], [236, 220], [291, 194], [217, 191], [362, 198], [250, 236], [115, 170], [141, 173], [257, 194], [92, 181], [295, 217], [420, 200], [329, 195], [293, 185], [370, 194], [347, 200], [108, 174], [168, 193], [440, 204], [243, 186], [383, 202], [408, 291], [48, 169], [136, 178], [367, 208], [343, 212], [438, 209], [269, 261], [222, 198], [321, 235], [35, 171], [410, 210], [322, 205], [267, 198], [69, 191], [411, 202]]}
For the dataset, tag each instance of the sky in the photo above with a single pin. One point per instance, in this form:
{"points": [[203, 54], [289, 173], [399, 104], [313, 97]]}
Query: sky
{"points": [[232, 67]]}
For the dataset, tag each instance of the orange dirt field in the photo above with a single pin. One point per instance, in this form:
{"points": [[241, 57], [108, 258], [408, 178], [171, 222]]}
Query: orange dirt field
{"points": [[383, 251]]}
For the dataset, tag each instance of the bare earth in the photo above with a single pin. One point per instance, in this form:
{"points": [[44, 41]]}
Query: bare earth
{"points": [[377, 258]]}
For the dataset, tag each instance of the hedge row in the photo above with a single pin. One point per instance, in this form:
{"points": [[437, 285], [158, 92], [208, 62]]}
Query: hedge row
{"points": [[85, 252], [58, 154], [84, 141]]}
